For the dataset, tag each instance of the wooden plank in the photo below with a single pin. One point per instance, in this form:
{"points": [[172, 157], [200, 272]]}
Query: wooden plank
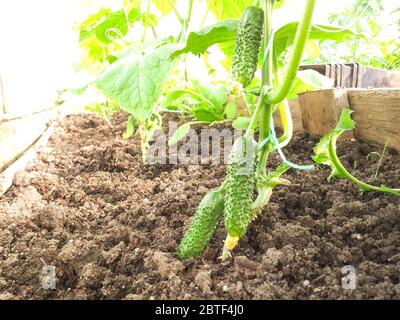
{"points": [[18, 134], [377, 78], [338, 78], [7, 176], [394, 79], [347, 76], [377, 115], [321, 109], [295, 110]]}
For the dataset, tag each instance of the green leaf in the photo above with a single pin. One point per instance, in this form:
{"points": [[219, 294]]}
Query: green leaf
{"points": [[202, 114], [325, 153], [284, 36], [174, 95], [139, 47], [224, 9], [196, 97], [199, 42], [130, 128], [312, 49], [78, 90], [106, 25], [265, 186], [164, 6], [217, 94], [241, 123], [92, 19], [309, 80], [230, 110], [95, 53], [345, 122], [323, 149], [136, 83], [179, 134], [279, 4]]}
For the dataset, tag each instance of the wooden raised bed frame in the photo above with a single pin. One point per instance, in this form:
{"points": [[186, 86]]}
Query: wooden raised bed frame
{"points": [[376, 113]]}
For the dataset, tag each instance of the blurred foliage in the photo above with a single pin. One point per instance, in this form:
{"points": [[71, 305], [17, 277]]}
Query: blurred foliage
{"points": [[105, 33], [103, 109], [225, 9], [373, 44]]}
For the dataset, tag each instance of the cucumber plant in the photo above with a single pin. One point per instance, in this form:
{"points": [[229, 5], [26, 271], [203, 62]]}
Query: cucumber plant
{"points": [[246, 169], [137, 78]]}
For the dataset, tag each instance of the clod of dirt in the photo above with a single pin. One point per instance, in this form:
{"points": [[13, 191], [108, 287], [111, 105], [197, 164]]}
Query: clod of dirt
{"points": [[166, 264], [203, 281]]}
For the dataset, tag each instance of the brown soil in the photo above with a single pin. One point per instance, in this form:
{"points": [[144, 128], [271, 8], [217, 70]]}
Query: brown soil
{"points": [[110, 226]]}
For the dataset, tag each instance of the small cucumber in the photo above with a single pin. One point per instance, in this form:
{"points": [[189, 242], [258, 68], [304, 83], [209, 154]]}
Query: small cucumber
{"points": [[205, 221]]}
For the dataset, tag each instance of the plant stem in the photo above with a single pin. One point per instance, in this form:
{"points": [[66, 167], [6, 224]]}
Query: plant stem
{"points": [[284, 112], [185, 23], [147, 21], [287, 123], [178, 16], [266, 72], [153, 30], [203, 21], [126, 17], [254, 117], [381, 158], [264, 109], [279, 94], [353, 179]]}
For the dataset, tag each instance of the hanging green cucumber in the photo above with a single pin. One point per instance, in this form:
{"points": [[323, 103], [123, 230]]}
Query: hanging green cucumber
{"points": [[205, 221], [239, 187], [247, 45]]}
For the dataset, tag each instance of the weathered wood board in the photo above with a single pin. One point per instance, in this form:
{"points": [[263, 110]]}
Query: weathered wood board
{"points": [[377, 115], [7, 175], [321, 109], [18, 133]]}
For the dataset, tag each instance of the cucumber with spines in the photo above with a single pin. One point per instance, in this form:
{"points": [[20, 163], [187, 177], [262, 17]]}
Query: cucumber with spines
{"points": [[207, 216], [239, 187], [247, 45]]}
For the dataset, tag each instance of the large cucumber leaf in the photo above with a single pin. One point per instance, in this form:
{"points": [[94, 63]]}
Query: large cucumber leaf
{"points": [[284, 36], [199, 42], [106, 25], [136, 82]]}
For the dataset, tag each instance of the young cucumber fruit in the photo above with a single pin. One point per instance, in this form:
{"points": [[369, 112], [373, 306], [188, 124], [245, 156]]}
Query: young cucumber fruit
{"points": [[206, 219], [247, 45], [239, 187]]}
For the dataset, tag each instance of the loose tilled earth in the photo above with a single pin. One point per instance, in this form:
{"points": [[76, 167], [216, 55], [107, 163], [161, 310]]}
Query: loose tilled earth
{"points": [[110, 225]]}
